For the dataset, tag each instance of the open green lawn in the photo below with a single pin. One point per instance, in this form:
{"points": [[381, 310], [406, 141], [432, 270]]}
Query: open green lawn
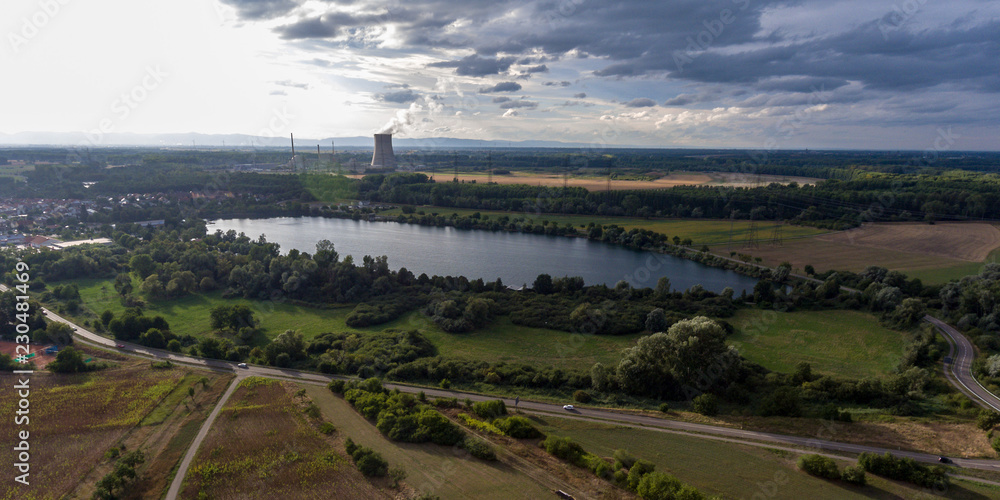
{"points": [[839, 342], [733, 470], [430, 468], [500, 341], [505, 341], [191, 315], [701, 231]]}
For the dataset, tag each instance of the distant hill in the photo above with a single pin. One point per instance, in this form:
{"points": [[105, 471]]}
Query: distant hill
{"points": [[243, 140]]}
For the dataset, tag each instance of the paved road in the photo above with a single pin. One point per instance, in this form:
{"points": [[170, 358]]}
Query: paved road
{"points": [[821, 442], [959, 371]]}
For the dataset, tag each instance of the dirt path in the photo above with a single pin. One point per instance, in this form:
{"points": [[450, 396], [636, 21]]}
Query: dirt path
{"points": [[175, 486]]}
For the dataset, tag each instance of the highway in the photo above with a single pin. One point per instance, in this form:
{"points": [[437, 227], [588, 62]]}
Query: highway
{"points": [[959, 370], [826, 431]]}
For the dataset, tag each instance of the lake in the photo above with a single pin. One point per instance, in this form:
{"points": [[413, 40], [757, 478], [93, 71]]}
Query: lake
{"points": [[516, 258]]}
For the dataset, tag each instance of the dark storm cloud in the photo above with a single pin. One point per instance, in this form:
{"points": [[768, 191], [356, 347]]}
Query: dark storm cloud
{"points": [[401, 96], [262, 9], [640, 102], [801, 84], [501, 87], [475, 65], [718, 44], [519, 104]]}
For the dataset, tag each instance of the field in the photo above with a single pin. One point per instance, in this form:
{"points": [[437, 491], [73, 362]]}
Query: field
{"points": [[510, 343], [597, 183], [263, 446], [843, 343], [701, 231], [500, 341], [191, 315], [733, 470], [934, 253], [431, 468], [76, 418]]}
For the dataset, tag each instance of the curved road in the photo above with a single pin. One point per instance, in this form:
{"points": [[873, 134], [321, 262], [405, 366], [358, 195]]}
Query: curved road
{"points": [[959, 369], [607, 416]]}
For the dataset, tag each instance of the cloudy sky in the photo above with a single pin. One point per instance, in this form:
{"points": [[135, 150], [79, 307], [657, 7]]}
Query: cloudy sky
{"points": [[872, 74]]}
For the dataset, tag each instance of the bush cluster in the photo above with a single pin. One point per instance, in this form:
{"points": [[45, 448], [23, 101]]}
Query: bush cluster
{"points": [[903, 469]]}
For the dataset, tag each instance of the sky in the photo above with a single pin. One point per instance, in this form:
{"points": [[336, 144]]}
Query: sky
{"points": [[855, 74]]}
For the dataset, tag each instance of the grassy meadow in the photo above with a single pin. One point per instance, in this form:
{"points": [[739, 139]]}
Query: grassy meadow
{"points": [[733, 470], [433, 469], [837, 342]]}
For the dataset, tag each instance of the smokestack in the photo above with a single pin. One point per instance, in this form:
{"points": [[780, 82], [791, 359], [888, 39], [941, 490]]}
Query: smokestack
{"points": [[383, 156]]}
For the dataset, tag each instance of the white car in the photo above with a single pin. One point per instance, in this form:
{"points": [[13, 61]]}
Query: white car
{"points": [[569, 407], [242, 365]]}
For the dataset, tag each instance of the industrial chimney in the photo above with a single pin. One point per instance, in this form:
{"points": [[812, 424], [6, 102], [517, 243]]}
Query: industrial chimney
{"points": [[383, 158]]}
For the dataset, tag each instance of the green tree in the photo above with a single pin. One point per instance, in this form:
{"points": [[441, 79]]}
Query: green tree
{"points": [[542, 284], [142, 265], [68, 360]]}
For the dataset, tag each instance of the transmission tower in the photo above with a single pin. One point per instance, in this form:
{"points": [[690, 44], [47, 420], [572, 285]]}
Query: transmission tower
{"points": [[489, 166], [753, 238], [776, 240]]}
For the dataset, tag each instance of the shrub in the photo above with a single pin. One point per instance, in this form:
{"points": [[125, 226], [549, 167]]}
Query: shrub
{"points": [[623, 459], [601, 469], [336, 386], [490, 409], [372, 464], [479, 425], [706, 404], [664, 408], [987, 419], [581, 396], [445, 384], [819, 466], [995, 443], [349, 446], [312, 410], [517, 427], [445, 402], [903, 469], [479, 448], [639, 468], [855, 475], [564, 448], [327, 428]]}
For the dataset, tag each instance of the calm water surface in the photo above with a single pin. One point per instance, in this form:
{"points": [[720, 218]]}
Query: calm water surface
{"points": [[516, 258]]}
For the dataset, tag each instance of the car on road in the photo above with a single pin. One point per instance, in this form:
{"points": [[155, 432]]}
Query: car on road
{"points": [[242, 365], [947, 360], [120, 346], [569, 407], [944, 460]]}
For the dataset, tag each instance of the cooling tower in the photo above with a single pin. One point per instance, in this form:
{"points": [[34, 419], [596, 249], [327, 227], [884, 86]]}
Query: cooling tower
{"points": [[383, 156]]}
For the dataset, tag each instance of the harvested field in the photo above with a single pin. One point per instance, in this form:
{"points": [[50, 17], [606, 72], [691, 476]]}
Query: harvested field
{"points": [[601, 183], [263, 446], [75, 419], [934, 253], [438, 470], [970, 242]]}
